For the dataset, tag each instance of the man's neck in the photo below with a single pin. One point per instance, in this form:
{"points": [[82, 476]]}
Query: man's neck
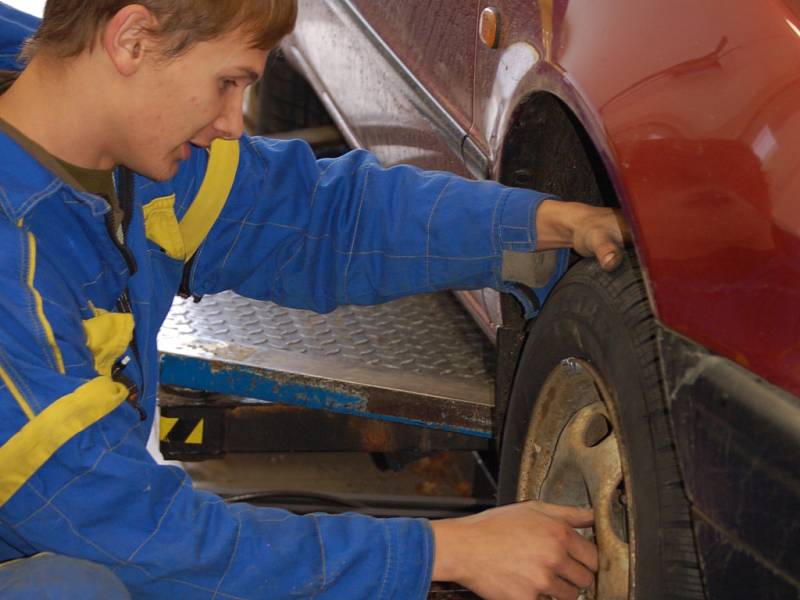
{"points": [[57, 105]]}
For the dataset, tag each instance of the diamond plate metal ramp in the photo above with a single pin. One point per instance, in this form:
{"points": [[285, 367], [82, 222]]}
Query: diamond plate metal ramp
{"points": [[419, 360]]}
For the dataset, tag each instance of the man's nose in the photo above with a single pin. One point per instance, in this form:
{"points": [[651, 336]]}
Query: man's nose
{"points": [[230, 123]]}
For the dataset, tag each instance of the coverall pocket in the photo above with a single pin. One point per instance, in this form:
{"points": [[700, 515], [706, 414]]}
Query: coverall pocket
{"points": [[161, 226], [108, 335]]}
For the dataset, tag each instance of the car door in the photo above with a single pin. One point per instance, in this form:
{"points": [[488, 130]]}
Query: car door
{"points": [[396, 76], [436, 42]]}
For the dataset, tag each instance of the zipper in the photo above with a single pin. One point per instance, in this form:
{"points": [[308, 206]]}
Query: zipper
{"points": [[133, 391], [125, 192], [183, 290]]}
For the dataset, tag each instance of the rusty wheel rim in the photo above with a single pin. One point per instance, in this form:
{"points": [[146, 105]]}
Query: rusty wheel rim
{"points": [[572, 456]]}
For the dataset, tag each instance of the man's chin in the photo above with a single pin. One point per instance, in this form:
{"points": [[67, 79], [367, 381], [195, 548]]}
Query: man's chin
{"points": [[162, 172]]}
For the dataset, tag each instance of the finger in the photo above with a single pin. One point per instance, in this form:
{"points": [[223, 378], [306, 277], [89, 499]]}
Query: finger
{"points": [[576, 573], [561, 590], [574, 516], [608, 254], [611, 261], [583, 551]]}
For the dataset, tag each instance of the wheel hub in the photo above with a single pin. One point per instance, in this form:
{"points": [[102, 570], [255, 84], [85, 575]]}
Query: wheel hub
{"points": [[572, 456]]}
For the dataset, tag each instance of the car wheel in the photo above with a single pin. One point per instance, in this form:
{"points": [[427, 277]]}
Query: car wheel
{"points": [[587, 425]]}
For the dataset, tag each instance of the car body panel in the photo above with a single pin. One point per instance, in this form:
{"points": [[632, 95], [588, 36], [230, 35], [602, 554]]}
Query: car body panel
{"points": [[428, 37], [697, 137], [345, 60], [739, 451]]}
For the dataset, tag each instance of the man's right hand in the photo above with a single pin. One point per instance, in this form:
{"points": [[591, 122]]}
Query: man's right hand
{"points": [[519, 551]]}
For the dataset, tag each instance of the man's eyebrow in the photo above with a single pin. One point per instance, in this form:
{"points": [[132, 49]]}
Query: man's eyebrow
{"points": [[249, 73]]}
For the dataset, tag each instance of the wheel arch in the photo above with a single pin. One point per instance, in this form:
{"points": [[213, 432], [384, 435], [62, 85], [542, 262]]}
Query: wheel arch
{"points": [[546, 147]]}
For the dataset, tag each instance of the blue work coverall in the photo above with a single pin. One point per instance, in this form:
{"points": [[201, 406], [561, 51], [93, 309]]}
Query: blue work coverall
{"points": [[263, 218]]}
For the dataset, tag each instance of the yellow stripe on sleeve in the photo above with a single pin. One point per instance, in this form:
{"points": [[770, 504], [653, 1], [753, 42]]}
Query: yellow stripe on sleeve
{"points": [[221, 171], [37, 297], [28, 449]]}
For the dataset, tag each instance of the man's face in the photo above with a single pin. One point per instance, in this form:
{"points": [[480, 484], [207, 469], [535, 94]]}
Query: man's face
{"points": [[192, 99]]}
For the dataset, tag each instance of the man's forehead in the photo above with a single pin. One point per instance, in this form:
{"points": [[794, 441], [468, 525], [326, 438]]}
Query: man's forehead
{"points": [[231, 53]]}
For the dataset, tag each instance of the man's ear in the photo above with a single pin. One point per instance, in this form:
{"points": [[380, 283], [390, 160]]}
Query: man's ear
{"points": [[127, 37]]}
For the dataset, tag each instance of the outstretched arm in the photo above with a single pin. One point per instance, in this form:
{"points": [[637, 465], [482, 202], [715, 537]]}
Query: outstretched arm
{"points": [[316, 234]]}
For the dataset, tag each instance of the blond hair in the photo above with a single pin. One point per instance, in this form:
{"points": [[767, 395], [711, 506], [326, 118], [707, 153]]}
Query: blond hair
{"points": [[71, 26]]}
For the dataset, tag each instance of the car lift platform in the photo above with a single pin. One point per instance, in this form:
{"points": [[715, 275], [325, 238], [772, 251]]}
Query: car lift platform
{"points": [[240, 375]]}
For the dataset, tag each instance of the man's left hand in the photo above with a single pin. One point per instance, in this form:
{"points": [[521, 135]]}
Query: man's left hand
{"points": [[590, 230]]}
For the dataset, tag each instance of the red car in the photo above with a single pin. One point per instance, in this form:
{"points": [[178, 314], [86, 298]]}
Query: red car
{"points": [[665, 395]]}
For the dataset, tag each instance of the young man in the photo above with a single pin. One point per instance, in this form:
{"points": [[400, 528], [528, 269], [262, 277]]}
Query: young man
{"points": [[92, 255]]}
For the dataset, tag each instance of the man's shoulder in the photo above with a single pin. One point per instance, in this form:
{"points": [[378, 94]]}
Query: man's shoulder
{"points": [[24, 181], [15, 27]]}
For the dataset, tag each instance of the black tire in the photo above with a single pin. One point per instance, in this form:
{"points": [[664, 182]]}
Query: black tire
{"points": [[286, 100], [605, 320]]}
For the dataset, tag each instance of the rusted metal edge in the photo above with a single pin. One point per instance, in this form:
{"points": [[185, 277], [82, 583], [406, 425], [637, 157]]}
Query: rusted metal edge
{"points": [[290, 378]]}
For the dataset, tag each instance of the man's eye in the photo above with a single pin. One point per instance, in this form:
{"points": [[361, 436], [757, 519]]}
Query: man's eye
{"points": [[229, 83]]}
